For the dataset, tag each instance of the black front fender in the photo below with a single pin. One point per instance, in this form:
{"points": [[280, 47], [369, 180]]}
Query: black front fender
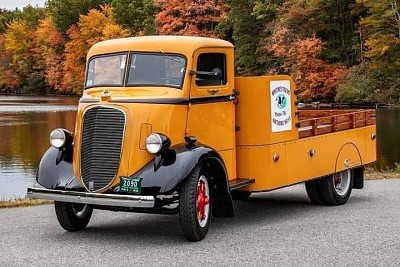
{"points": [[175, 167], [56, 170]]}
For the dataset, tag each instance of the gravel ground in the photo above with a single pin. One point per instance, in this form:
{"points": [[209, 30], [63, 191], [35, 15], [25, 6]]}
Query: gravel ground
{"points": [[279, 228]]}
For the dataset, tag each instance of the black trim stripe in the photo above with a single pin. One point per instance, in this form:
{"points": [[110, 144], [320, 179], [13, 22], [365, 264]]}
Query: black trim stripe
{"points": [[179, 101]]}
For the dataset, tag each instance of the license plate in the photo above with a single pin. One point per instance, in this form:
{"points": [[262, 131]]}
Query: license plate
{"points": [[130, 185]]}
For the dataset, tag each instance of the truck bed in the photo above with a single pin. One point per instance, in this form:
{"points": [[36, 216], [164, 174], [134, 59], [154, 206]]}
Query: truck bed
{"points": [[316, 122]]}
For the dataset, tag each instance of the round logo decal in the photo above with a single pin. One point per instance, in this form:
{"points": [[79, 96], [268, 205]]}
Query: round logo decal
{"points": [[281, 101]]}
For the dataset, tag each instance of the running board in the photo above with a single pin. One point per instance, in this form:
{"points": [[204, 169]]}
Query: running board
{"points": [[240, 182]]}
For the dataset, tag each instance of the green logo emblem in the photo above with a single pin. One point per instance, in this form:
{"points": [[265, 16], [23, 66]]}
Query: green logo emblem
{"points": [[282, 101]]}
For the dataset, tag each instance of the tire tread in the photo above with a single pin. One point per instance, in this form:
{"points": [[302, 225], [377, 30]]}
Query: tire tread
{"points": [[187, 208], [68, 219]]}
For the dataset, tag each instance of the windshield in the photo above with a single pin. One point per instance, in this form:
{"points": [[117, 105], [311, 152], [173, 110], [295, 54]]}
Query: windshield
{"points": [[145, 69], [151, 69], [106, 70]]}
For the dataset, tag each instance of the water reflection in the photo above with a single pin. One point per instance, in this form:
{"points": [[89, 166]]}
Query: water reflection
{"points": [[388, 131], [25, 124]]}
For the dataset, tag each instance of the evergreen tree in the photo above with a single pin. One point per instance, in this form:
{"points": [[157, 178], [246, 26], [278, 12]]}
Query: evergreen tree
{"points": [[135, 15], [246, 25], [338, 29], [66, 12]]}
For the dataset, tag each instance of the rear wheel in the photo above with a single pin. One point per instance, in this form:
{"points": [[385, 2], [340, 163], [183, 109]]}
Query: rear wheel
{"points": [[195, 205], [336, 189], [314, 192], [73, 216]]}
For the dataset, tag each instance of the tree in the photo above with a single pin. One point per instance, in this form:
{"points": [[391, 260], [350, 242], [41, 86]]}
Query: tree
{"points": [[66, 12], [187, 17], [316, 79], [94, 27], [247, 25], [32, 15], [337, 28], [364, 85], [18, 43], [381, 30], [135, 15], [6, 17], [50, 43], [377, 77], [9, 78]]}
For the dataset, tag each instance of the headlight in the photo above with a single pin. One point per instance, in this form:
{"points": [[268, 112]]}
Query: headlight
{"points": [[60, 138], [156, 143]]}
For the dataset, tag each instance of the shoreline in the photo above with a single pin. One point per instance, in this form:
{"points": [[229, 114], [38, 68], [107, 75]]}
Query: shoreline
{"points": [[370, 174]]}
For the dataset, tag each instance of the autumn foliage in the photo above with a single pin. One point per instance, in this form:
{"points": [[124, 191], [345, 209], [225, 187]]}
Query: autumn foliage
{"points": [[51, 45], [186, 17], [301, 58], [344, 50], [94, 27]]}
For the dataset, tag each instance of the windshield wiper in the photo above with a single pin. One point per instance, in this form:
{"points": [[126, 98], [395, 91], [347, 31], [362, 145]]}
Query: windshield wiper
{"points": [[169, 57]]}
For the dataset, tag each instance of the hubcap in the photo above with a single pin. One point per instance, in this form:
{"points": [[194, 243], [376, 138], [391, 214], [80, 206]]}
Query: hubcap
{"points": [[80, 210], [341, 181], [203, 201]]}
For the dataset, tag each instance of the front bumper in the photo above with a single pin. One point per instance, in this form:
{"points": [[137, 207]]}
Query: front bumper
{"points": [[128, 201]]}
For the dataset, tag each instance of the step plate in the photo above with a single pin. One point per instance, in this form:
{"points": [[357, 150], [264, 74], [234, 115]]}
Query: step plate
{"points": [[240, 182]]}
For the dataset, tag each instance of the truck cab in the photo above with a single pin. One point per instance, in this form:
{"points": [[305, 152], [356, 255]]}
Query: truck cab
{"points": [[163, 126]]}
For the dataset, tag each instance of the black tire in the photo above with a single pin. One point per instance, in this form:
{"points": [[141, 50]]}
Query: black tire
{"points": [[336, 189], [72, 216], [314, 192], [193, 228], [240, 195]]}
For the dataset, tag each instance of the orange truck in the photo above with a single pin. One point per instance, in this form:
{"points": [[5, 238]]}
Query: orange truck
{"points": [[164, 126]]}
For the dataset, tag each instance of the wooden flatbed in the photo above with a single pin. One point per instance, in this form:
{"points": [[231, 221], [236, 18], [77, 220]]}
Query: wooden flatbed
{"points": [[317, 122]]}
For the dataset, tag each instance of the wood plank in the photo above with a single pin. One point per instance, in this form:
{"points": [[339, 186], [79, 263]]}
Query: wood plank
{"points": [[317, 122]]}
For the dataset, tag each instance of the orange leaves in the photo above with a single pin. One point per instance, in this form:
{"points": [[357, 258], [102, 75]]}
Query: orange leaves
{"points": [[51, 43], [186, 17], [94, 27], [18, 41], [315, 78]]}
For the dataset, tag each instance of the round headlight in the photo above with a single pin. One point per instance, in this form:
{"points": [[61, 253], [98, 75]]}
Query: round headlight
{"points": [[154, 143], [57, 138]]}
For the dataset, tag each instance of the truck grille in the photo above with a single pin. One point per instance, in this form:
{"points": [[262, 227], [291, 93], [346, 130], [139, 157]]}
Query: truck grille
{"points": [[102, 134]]}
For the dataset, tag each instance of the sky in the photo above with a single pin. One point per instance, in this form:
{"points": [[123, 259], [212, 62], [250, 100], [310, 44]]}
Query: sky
{"points": [[12, 4]]}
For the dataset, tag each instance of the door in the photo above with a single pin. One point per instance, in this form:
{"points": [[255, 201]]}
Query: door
{"points": [[211, 115]]}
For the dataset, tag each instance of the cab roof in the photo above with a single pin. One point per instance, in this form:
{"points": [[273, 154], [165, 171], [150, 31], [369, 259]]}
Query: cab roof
{"points": [[185, 45]]}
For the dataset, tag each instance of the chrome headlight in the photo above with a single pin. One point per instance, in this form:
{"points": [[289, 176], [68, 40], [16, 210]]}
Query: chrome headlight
{"points": [[156, 143], [60, 138]]}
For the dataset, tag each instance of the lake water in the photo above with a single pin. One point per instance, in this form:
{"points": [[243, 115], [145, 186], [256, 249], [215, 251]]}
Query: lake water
{"points": [[26, 122]]}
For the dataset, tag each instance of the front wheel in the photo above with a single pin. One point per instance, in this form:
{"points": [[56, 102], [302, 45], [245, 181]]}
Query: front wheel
{"points": [[73, 216], [195, 205]]}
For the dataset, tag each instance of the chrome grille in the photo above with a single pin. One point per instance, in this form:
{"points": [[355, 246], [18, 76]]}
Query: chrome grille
{"points": [[102, 134]]}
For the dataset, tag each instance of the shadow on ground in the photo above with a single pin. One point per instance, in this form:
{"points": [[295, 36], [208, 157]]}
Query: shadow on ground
{"points": [[148, 229]]}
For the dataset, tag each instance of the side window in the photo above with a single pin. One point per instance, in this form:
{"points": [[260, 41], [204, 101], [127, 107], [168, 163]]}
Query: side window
{"points": [[215, 66]]}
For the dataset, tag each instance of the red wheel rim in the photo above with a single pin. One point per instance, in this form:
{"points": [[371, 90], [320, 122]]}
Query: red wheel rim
{"points": [[202, 201]]}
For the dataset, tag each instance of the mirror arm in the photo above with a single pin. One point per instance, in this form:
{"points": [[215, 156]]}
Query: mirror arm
{"points": [[207, 73]]}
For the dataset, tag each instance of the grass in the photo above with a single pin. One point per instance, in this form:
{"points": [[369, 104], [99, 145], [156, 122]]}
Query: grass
{"points": [[23, 202], [371, 173]]}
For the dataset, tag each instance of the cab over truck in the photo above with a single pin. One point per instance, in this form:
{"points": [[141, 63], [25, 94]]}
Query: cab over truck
{"points": [[164, 126]]}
